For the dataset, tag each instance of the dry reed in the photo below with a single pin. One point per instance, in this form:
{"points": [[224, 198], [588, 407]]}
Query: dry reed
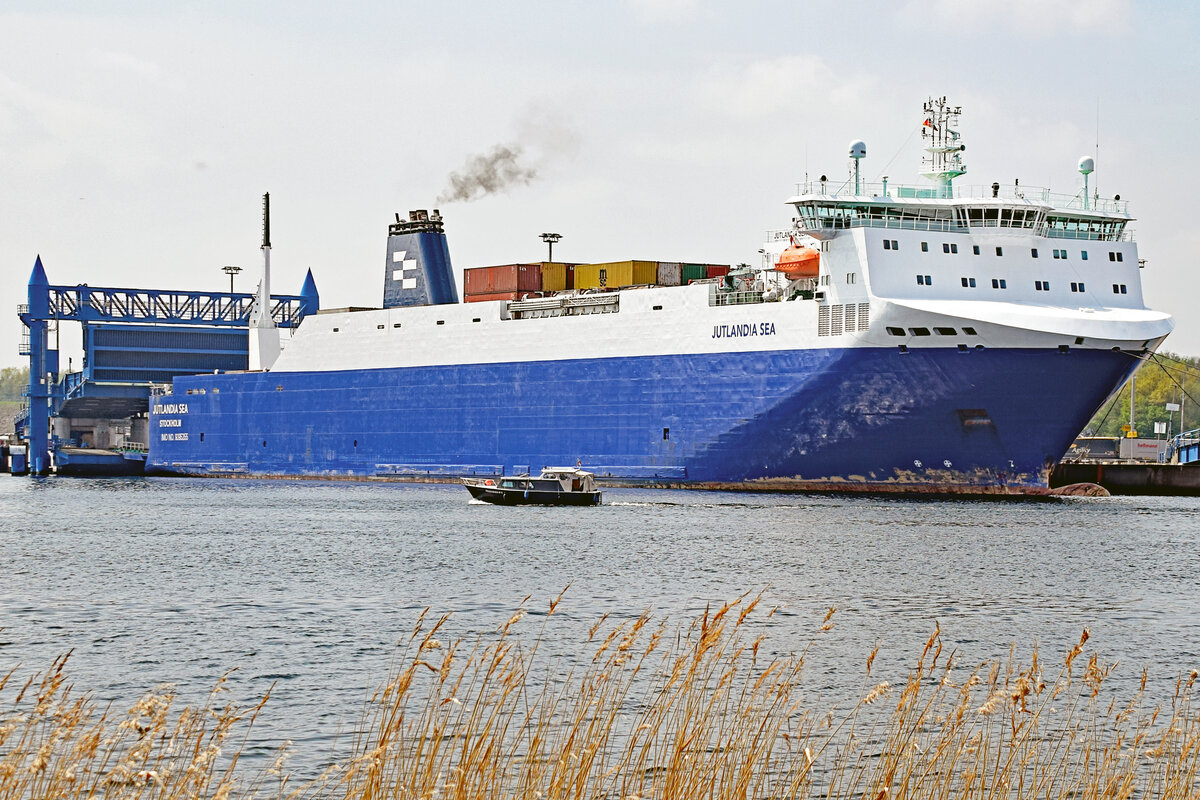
{"points": [[652, 711]]}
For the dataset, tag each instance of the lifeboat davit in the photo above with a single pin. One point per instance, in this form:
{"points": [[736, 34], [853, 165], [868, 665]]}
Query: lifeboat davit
{"points": [[799, 261]]}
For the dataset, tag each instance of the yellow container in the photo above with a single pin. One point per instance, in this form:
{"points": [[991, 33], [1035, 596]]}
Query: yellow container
{"points": [[615, 274], [554, 276]]}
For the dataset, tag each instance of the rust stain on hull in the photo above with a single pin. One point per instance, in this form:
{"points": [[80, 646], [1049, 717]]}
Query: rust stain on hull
{"points": [[929, 485]]}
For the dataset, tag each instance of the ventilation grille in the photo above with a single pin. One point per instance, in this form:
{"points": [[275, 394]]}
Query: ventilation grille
{"points": [[833, 320]]}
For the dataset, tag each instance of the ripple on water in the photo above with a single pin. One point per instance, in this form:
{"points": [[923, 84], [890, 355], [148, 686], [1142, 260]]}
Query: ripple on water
{"points": [[314, 587]]}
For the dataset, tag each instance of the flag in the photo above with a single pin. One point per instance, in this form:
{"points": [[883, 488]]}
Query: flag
{"points": [[928, 123]]}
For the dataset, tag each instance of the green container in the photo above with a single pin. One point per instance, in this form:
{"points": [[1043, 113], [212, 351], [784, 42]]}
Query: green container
{"points": [[693, 272]]}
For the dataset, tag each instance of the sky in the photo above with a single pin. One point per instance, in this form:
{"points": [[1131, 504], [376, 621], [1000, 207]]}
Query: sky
{"points": [[137, 138]]}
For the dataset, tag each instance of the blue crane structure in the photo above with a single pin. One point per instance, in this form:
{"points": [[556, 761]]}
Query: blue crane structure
{"points": [[132, 338]]}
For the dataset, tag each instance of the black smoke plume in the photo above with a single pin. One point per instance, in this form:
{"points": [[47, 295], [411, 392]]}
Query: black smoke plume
{"points": [[487, 173]]}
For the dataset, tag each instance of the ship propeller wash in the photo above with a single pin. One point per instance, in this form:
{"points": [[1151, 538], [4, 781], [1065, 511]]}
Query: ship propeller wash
{"points": [[931, 338]]}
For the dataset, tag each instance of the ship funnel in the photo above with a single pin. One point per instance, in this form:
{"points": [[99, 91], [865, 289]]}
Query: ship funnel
{"points": [[418, 270]]}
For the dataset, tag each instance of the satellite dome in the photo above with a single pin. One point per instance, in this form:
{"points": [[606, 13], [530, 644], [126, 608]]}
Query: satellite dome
{"points": [[858, 149], [1087, 165]]}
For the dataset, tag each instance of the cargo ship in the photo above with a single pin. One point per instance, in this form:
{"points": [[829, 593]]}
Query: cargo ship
{"points": [[922, 338]]}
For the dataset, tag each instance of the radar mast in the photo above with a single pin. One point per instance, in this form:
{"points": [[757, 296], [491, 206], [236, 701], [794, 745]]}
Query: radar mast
{"points": [[944, 148]]}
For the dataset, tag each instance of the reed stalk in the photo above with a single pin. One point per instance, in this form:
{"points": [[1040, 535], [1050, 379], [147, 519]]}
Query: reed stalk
{"points": [[649, 710]]}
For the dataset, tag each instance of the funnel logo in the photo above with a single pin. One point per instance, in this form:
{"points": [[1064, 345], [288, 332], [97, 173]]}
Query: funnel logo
{"points": [[406, 273]]}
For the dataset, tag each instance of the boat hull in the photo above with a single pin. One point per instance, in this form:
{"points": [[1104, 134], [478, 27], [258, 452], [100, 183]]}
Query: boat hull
{"points": [[531, 497], [979, 421]]}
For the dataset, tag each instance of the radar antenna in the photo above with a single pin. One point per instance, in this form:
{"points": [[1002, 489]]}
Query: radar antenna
{"points": [[943, 160]]}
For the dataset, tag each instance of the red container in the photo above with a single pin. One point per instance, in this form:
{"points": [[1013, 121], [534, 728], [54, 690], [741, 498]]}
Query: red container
{"points": [[717, 271], [503, 278], [480, 298], [570, 276]]}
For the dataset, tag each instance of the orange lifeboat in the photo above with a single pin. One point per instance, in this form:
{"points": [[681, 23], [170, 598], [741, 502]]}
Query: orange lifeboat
{"points": [[799, 261]]}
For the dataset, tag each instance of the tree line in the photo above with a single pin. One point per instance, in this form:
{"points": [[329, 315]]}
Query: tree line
{"points": [[1163, 378], [13, 382]]}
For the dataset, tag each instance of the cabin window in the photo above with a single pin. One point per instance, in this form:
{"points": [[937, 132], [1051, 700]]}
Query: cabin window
{"points": [[895, 244], [1077, 287], [475, 319], [666, 434], [851, 277], [975, 249], [1120, 288], [968, 283], [1033, 252], [924, 247], [970, 332], [919, 331], [924, 280], [887, 244], [441, 322], [895, 331], [378, 327], [1041, 286], [1083, 255], [945, 331], [999, 251], [999, 283], [395, 324]]}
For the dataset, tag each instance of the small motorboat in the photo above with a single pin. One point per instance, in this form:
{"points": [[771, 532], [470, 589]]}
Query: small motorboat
{"points": [[556, 486]]}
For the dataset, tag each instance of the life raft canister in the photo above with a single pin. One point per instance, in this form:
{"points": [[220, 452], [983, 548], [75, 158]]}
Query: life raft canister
{"points": [[799, 261]]}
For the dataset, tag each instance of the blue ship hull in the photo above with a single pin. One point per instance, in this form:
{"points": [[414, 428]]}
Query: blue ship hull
{"points": [[874, 419]]}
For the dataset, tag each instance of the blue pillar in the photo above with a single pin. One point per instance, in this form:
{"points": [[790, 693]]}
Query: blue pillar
{"points": [[39, 387], [310, 300]]}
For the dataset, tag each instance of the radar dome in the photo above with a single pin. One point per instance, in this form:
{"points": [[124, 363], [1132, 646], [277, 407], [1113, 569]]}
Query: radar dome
{"points": [[1087, 165], [858, 149]]}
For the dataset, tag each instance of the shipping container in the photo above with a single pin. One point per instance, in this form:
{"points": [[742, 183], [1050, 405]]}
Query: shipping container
{"points": [[503, 278], [717, 270], [615, 274], [554, 276], [669, 273], [692, 272], [481, 298]]}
